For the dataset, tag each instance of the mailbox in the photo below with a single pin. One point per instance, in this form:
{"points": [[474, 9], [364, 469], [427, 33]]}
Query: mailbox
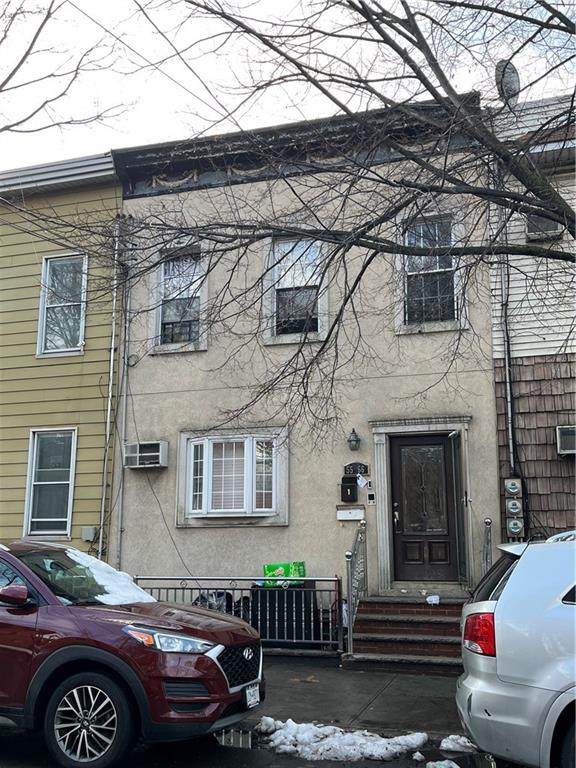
{"points": [[349, 489]]}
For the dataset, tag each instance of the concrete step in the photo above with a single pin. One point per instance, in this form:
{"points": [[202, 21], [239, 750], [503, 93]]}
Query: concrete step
{"points": [[396, 662], [384, 623], [448, 606], [406, 645]]}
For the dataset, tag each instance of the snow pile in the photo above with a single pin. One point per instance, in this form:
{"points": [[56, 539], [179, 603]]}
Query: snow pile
{"points": [[418, 756], [327, 742], [457, 744], [442, 764]]}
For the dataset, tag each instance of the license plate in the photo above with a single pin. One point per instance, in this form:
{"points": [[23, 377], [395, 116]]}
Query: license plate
{"points": [[252, 695]]}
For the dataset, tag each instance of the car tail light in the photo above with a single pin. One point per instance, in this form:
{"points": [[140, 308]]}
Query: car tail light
{"points": [[479, 634]]}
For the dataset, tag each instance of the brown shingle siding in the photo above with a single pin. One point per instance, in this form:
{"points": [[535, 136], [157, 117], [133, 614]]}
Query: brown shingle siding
{"points": [[543, 390]]}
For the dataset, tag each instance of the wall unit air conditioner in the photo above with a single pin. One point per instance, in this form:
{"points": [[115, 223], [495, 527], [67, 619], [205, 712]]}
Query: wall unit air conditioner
{"points": [[541, 228], [146, 455], [566, 440]]}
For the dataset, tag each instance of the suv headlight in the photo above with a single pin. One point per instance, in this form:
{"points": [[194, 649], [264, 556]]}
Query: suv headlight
{"points": [[168, 643]]}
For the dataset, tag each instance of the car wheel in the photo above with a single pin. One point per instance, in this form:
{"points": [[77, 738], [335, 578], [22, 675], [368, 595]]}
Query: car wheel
{"points": [[567, 749], [89, 721]]}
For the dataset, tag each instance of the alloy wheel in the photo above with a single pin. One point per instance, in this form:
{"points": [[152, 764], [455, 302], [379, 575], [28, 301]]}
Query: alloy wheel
{"points": [[85, 723]]}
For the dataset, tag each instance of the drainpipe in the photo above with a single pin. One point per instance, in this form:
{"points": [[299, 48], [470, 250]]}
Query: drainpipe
{"points": [[505, 297], [504, 288], [110, 393], [124, 420]]}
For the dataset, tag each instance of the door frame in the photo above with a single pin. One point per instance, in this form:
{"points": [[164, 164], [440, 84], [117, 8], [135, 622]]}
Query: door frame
{"points": [[382, 431]]}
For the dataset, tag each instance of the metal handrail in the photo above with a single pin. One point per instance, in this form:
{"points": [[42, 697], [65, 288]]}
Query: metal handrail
{"points": [[487, 546], [356, 579]]}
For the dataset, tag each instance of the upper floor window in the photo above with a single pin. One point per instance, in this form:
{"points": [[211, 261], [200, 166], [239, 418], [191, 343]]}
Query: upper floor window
{"points": [[296, 286], [50, 481], [429, 279], [180, 309], [62, 305]]}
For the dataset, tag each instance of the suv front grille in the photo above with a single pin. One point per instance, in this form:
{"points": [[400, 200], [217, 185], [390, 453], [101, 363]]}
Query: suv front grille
{"points": [[238, 669]]}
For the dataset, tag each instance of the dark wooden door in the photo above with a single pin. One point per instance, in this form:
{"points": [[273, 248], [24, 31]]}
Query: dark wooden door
{"points": [[423, 509]]}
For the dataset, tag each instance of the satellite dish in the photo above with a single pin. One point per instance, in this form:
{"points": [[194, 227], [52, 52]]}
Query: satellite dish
{"points": [[507, 82]]}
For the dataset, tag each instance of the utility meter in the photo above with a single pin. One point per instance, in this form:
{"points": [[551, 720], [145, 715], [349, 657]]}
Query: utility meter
{"points": [[513, 507], [513, 486], [515, 526]]}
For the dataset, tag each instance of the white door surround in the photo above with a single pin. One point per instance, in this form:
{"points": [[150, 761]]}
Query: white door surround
{"points": [[383, 430]]}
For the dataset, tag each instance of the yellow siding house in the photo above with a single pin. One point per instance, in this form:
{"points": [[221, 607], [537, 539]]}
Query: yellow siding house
{"points": [[59, 311]]}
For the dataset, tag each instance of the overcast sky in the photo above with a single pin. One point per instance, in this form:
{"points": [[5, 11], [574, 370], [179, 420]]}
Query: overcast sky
{"points": [[149, 102]]}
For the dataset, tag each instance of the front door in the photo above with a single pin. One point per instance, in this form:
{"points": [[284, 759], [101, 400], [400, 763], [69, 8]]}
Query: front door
{"points": [[423, 509]]}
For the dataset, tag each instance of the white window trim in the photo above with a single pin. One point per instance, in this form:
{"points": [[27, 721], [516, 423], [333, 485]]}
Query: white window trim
{"points": [[30, 482], [79, 350], [156, 316], [278, 516], [402, 328], [269, 302]]}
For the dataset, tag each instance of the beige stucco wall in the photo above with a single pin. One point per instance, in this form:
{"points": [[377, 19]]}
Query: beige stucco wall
{"points": [[446, 373]]}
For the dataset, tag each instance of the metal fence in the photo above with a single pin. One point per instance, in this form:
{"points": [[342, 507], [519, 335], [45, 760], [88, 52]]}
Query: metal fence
{"points": [[294, 613]]}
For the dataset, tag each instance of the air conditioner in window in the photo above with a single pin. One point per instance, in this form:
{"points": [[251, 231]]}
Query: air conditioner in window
{"points": [[146, 455], [541, 228], [566, 440]]}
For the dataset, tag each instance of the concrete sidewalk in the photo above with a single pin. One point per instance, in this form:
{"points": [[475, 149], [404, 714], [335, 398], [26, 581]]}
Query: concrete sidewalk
{"points": [[316, 689]]}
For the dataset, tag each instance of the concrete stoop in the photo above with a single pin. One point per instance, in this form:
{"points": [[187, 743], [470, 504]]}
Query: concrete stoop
{"points": [[407, 634]]}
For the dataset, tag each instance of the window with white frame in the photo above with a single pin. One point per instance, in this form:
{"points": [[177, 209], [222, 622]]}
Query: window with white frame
{"points": [[181, 281], [297, 277], [62, 304], [50, 481], [429, 278], [235, 475]]}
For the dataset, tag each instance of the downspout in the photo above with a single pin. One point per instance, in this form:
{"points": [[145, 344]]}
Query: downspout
{"points": [[505, 297], [124, 420], [110, 395]]}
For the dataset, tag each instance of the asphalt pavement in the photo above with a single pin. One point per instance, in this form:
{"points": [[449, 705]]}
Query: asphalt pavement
{"points": [[305, 690]]}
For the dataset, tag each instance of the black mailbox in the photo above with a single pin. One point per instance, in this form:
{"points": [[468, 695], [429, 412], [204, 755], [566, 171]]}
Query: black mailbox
{"points": [[349, 488]]}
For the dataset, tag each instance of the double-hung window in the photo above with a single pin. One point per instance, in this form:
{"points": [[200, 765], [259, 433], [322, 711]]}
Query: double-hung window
{"points": [[62, 305], [296, 286], [50, 481], [429, 278], [235, 475], [181, 281]]}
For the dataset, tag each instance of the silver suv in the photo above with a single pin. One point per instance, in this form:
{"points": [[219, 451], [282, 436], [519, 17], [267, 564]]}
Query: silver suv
{"points": [[516, 698]]}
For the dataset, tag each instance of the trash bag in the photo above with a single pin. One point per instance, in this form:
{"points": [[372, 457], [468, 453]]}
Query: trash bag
{"points": [[215, 599]]}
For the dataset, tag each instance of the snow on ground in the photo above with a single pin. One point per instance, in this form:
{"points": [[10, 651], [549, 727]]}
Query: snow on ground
{"points": [[327, 742], [442, 764], [457, 744]]}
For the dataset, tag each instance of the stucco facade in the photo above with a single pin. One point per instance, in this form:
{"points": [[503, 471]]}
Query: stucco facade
{"points": [[403, 383]]}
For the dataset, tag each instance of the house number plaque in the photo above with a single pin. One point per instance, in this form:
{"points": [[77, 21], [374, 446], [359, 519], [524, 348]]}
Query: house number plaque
{"points": [[356, 468]]}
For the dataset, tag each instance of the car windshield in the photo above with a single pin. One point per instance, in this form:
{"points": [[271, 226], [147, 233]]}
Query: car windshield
{"points": [[76, 578]]}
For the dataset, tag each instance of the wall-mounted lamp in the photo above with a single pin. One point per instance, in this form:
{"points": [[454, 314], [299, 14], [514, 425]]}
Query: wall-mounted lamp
{"points": [[353, 440]]}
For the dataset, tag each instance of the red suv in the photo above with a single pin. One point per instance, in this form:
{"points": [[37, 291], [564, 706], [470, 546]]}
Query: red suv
{"points": [[96, 662]]}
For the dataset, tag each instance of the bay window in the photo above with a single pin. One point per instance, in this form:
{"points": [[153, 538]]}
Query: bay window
{"points": [[235, 475]]}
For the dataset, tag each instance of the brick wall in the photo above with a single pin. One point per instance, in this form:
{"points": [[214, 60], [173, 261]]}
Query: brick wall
{"points": [[544, 397]]}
